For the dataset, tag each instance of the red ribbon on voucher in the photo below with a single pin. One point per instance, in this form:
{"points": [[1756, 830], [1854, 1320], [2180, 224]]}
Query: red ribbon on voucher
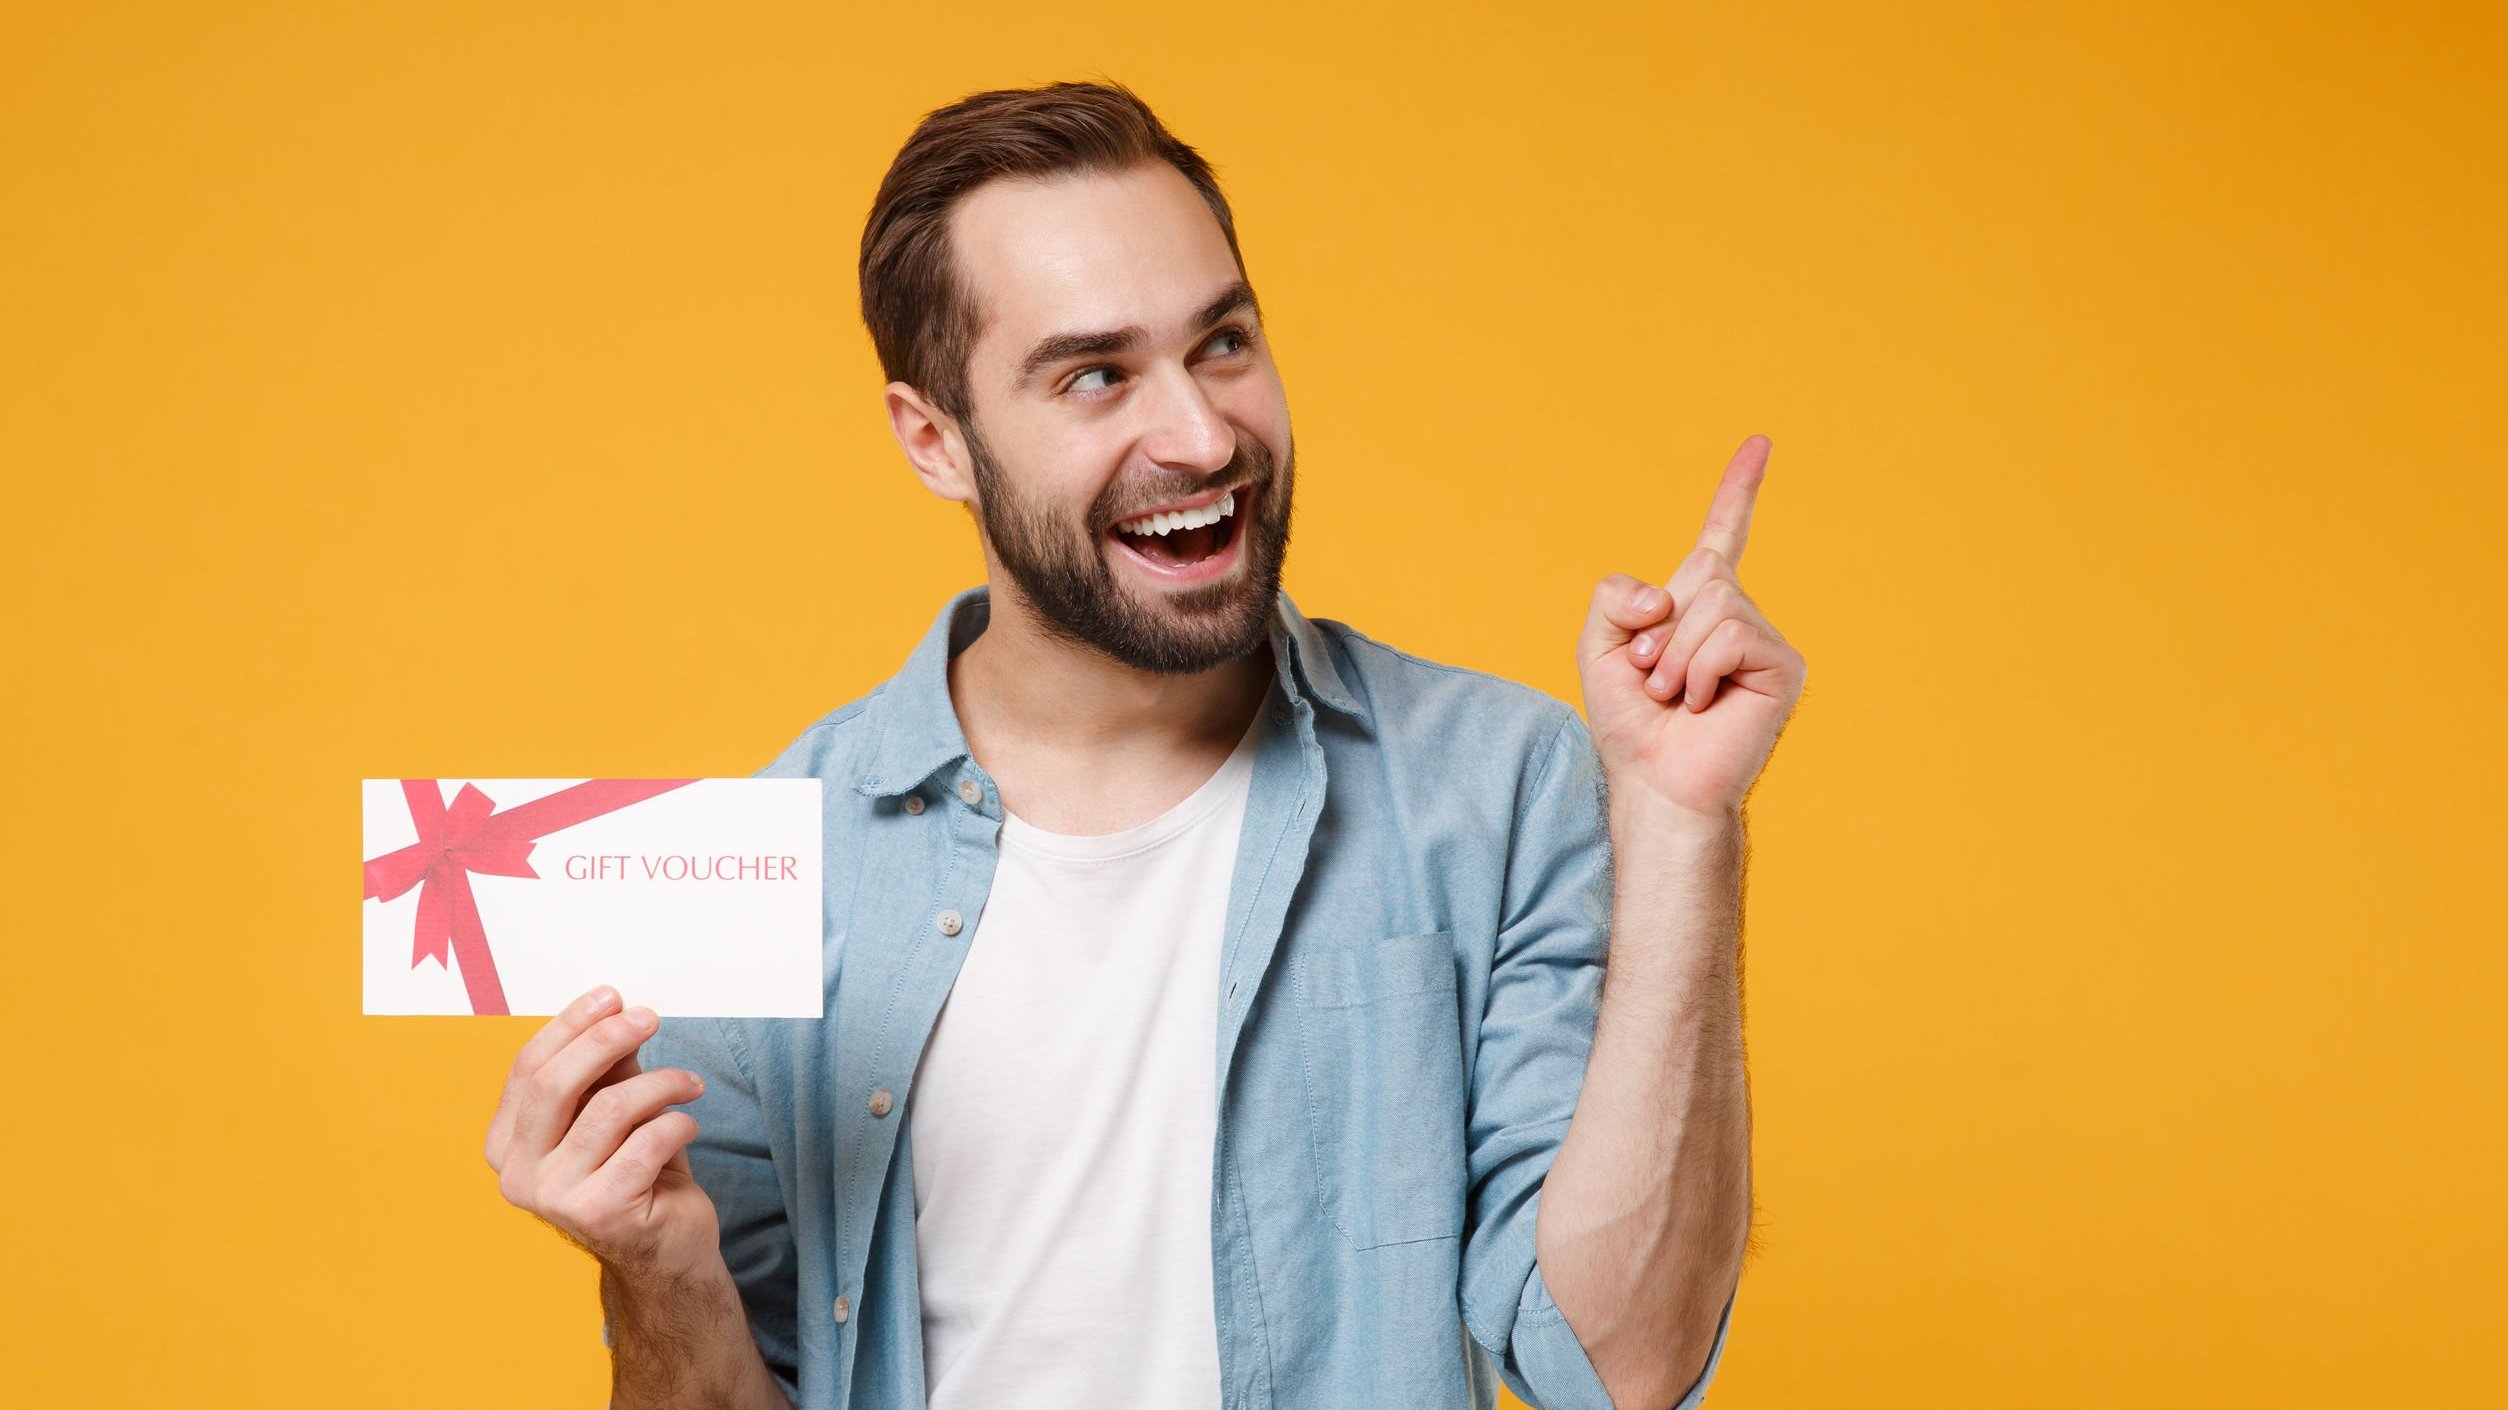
{"points": [[471, 836]]}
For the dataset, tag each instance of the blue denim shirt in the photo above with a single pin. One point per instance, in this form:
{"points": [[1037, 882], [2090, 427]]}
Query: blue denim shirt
{"points": [[1409, 980]]}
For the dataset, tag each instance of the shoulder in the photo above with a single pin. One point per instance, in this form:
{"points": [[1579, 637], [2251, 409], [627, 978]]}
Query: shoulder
{"points": [[1463, 715], [830, 746]]}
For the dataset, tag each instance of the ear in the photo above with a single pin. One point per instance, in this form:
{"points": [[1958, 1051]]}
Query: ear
{"points": [[930, 438]]}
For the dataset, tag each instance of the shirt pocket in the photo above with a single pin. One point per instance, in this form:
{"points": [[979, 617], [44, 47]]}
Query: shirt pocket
{"points": [[1381, 1031]]}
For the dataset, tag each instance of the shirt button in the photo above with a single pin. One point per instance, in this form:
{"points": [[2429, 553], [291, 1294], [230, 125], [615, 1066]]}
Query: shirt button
{"points": [[970, 791], [880, 1103], [844, 1310], [914, 802], [949, 923]]}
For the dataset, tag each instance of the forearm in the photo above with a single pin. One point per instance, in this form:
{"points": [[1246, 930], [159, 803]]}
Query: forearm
{"points": [[683, 1343], [1646, 1211]]}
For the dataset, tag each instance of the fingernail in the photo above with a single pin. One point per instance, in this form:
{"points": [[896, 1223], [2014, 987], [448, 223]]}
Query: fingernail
{"points": [[604, 998], [640, 1016], [1645, 643], [1649, 599]]}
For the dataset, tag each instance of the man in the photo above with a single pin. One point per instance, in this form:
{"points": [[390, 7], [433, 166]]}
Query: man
{"points": [[1217, 1012]]}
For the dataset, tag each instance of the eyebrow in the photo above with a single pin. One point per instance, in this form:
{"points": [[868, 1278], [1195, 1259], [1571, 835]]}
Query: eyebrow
{"points": [[1062, 347]]}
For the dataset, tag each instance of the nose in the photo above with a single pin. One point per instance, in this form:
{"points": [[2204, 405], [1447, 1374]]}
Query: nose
{"points": [[1186, 429]]}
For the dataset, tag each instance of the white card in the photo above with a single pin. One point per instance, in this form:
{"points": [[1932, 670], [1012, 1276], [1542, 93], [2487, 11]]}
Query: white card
{"points": [[692, 897]]}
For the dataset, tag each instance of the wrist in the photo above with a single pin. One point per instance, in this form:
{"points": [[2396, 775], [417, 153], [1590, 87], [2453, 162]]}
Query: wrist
{"points": [[637, 1292], [1677, 878], [1638, 813], [681, 1338]]}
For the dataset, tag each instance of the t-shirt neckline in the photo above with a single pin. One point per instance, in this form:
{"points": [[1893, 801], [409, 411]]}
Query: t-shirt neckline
{"points": [[1223, 784]]}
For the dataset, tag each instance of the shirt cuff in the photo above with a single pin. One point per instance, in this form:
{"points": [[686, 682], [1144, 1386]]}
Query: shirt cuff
{"points": [[1561, 1376]]}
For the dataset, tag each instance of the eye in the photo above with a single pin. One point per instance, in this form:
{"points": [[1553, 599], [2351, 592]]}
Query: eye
{"points": [[1242, 337]]}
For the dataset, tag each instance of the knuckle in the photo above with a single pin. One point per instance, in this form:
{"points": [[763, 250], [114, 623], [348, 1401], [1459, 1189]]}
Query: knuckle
{"points": [[607, 1102], [604, 1111], [542, 1086], [633, 1167]]}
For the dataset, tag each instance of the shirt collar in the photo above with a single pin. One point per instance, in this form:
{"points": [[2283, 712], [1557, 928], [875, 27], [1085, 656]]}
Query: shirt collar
{"points": [[915, 726]]}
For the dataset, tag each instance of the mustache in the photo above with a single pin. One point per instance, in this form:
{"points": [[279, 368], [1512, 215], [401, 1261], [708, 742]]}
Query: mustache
{"points": [[1258, 460]]}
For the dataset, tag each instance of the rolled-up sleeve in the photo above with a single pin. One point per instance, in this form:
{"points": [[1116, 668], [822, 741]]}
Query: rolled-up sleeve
{"points": [[736, 1171], [1536, 1033], [1548, 1354]]}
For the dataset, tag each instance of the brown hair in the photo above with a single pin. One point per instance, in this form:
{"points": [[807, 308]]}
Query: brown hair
{"points": [[923, 318]]}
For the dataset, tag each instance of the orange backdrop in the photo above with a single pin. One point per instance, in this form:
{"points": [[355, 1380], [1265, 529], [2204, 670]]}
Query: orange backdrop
{"points": [[479, 389]]}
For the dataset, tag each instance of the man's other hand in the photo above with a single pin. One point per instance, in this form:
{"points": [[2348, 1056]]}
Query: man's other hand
{"points": [[585, 1138]]}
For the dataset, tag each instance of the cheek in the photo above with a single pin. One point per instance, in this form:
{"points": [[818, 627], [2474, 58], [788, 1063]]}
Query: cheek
{"points": [[1063, 472], [1080, 462], [1258, 404]]}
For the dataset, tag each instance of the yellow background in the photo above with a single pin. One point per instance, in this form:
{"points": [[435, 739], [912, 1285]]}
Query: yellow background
{"points": [[2125, 961]]}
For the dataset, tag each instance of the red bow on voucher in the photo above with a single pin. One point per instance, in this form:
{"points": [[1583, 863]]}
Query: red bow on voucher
{"points": [[471, 836]]}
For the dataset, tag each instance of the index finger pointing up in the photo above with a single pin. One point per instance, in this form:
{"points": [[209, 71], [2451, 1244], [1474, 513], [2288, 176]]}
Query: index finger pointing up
{"points": [[1728, 517]]}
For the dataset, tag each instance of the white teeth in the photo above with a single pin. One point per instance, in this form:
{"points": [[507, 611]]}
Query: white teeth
{"points": [[1163, 524]]}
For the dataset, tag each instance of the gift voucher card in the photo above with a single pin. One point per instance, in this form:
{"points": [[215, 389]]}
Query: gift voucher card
{"points": [[696, 897]]}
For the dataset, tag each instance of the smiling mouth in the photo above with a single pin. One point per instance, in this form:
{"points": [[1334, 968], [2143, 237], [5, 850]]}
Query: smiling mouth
{"points": [[1181, 540]]}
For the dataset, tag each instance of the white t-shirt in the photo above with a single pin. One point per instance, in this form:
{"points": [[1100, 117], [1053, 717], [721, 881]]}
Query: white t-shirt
{"points": [[1063, 1117]]}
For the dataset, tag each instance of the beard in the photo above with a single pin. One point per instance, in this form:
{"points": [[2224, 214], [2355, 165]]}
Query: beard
{"points": [[1062, 566]]}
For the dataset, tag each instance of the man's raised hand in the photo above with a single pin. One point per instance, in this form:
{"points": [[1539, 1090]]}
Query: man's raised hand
{"points": [[1656, 661]]}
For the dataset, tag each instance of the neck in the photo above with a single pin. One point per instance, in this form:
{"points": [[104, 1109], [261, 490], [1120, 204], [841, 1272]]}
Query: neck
{"points": [[1018, 687]]}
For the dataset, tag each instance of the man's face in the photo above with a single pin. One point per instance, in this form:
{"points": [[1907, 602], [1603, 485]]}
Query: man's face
{"points": [[1122, 369]]}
